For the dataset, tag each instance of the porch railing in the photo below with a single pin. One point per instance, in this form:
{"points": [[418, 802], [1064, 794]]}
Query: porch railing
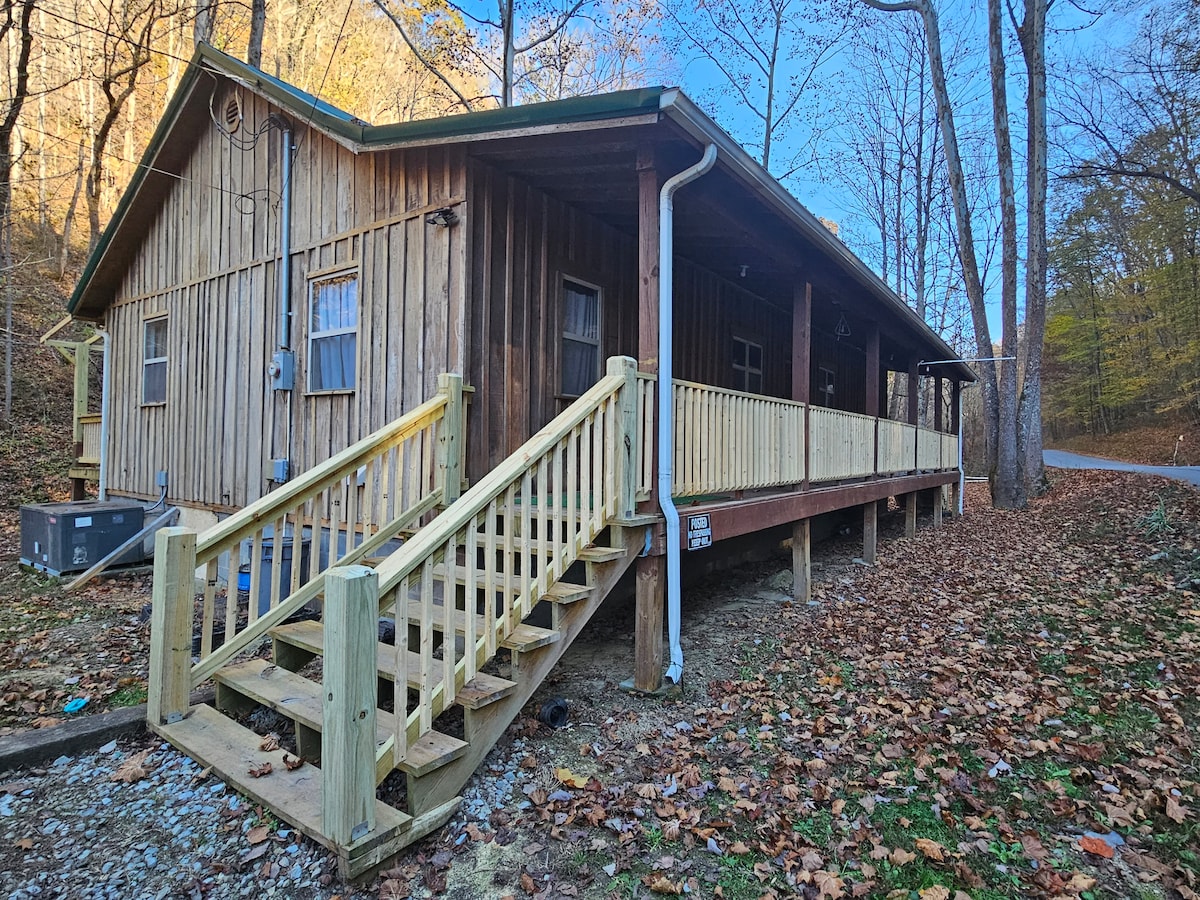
{"points": [[90, 431], [729, 440]]}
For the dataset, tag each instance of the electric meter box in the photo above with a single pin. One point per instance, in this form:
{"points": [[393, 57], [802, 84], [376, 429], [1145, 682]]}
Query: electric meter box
{"points": [[71, 537]]}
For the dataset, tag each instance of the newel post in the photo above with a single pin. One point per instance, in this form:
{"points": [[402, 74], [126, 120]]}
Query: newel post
{"points": [[450, 438], [171, 608], [628, 440], [348, 703]]}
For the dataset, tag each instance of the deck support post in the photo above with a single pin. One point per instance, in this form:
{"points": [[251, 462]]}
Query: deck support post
{"points": [[171, 611], [648, 627], [910, 514], [348, 705], [801, 358], [939, 496], [870, 531], [450, 438], [802, 560]]}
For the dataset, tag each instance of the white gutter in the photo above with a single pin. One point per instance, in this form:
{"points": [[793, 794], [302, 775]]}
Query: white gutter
{"points": [[666, 425], [105, 393], [696, 123]]}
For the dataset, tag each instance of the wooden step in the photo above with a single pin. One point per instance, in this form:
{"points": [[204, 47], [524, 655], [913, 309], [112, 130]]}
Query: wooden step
{"points": [[215, 741], [299, 699], [482, 690], [529, 637], [566, 592], [601, 554]]}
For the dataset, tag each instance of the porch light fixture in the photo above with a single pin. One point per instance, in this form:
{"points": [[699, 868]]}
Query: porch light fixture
{"points": [[445, 217]]}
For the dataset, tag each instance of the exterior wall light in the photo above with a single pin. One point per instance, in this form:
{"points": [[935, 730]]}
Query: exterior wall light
{"points": [[444, 217]]}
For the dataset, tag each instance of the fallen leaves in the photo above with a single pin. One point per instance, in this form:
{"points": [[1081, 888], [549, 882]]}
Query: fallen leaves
{"points": [[131, 769], [269, 743], [260, 770], [1096, 846]]}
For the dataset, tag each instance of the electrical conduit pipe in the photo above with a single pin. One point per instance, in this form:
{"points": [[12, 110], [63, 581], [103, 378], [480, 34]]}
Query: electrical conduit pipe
{"points": [[666, 425]]}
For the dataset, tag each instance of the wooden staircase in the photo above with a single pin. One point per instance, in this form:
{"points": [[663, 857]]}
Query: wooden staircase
{"points": [[543, 538]]}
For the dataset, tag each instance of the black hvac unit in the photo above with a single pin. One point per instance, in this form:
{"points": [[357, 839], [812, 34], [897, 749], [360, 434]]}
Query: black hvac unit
{"points": [[70, 537]]}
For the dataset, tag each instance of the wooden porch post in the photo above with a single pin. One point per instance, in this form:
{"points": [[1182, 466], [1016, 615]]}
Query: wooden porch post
{"points": [[802, 357], [450, 438], [348, 706], [651, 570], [802, 560], [937, 403], [914, 381], [872, 387], [172, 599], [870, 531], [910, 514], [937, 494]]}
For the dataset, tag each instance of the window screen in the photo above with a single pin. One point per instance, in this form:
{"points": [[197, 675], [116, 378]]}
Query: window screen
{"points": [[333, 333], [154, 361], [581, 338]]}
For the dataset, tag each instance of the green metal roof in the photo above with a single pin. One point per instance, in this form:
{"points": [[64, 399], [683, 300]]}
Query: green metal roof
{"points": [[359, 135]]}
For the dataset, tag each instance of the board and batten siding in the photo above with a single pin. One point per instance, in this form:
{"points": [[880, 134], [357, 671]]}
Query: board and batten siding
{"points": [[209, 261]]}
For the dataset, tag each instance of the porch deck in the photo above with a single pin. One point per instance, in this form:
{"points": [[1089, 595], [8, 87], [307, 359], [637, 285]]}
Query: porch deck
{"points": [[554, 526]]}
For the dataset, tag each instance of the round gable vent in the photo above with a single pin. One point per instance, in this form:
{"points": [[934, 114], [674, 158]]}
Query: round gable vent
{"points": [[233, 113]]}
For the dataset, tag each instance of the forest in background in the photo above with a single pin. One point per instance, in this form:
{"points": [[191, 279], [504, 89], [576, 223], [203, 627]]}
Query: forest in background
{"points": [[838, 101]]}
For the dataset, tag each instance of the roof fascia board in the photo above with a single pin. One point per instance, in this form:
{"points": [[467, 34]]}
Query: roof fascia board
{"points": [[375, 144], [696, 123]]}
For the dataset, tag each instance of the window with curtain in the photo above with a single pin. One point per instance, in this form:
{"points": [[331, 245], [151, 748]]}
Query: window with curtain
{"points": [[154, 361], [581, 338], [747, 365], [333, 332]]}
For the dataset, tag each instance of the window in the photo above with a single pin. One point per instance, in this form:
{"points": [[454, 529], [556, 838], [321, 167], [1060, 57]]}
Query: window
{"points": [[747, 365], [154, 361], [824, 386], [581, 338], [333, 333]]}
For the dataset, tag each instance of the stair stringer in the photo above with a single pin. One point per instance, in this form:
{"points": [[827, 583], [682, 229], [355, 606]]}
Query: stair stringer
{"points": [[484, 727]]}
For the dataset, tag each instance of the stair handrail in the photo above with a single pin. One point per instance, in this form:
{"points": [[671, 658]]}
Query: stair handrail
{"points": [[363, 492], [430, 538], [607, 412]]}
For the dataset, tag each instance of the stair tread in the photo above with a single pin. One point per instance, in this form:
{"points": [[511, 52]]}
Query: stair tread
{"points": [[310, 636], [529, 637], [216, 741], [601, 554], [300, 699], [566, 592]]}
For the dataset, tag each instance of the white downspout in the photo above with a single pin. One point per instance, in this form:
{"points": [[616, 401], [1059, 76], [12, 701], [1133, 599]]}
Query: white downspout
{"points": [[105, 392], [666, 425], [962, 480]]}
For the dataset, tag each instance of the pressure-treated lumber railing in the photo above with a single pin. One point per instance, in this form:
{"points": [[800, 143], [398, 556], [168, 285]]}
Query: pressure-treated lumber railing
{"points": [[90, 432], [929, 449], [731, 440], [506, 541], [897, 447], [842, 444], [341, 511]]}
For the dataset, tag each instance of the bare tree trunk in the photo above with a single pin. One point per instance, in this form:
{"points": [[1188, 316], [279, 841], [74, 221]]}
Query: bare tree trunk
{"points": [[507, 35], [202, 28], [1033, 47], [962, 216], [1007, 485], [258, 24], [20, 90], [64, 250]]}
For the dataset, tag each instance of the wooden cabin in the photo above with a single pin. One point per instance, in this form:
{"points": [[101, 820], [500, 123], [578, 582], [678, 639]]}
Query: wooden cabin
{"points": [[432, 348]]}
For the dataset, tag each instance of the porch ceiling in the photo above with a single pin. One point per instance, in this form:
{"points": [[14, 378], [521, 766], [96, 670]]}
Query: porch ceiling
{"points": [[719, 224]]}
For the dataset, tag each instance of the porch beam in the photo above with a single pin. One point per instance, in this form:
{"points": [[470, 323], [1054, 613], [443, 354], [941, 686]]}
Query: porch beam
{"points": [[729, 520]]}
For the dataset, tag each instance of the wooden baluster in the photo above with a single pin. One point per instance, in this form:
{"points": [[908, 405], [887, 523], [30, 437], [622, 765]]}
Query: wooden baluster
{"points": [[209, 620], [276, 561], [426, 646], [517, 611], [543, 539], [489, 562], [471, 599], [572, 491], [585, 481], [400, 675], [449, 631], [255, 575]]}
